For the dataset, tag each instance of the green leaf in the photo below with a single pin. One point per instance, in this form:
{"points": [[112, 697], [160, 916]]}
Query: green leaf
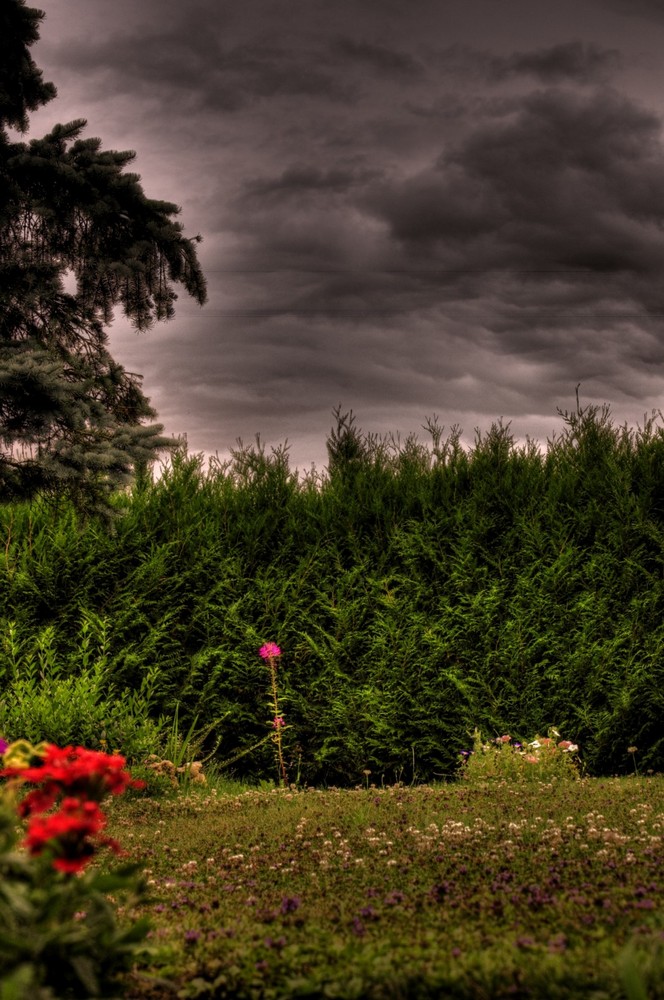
{"points": [[84, 967]]}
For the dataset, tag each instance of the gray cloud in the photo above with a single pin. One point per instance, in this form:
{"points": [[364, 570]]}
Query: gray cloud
{"points": [[299, 180], [567, 182], [196, 65], [405, 208], [391, 62], [584, 63], [570, 61], [635, 8], [531, 251]]}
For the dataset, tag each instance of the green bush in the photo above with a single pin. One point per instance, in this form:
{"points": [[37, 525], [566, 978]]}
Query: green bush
{"points": [[43, 704], [506, 759]]}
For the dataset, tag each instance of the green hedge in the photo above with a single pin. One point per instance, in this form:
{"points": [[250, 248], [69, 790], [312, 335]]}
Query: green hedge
{"points": [[416, 590]]}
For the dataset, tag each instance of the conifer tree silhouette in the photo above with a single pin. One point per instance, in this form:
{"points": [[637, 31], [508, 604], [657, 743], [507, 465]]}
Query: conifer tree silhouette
{"points": [[72, 420]]}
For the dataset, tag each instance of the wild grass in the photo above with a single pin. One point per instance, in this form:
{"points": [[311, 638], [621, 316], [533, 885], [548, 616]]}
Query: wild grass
{"points": [[497, 889]]}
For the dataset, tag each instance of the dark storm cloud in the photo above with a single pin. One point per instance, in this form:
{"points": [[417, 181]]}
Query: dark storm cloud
{"points": [[635, 8], [573, 61], [450, 107], [300, 180], [570, 61], [406, 206], [391, 62], [195, 64], [536, 241], [569, 182], [538, 235]]}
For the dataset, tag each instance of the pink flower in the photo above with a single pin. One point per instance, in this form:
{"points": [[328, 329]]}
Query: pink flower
{"points": [[269, 650], [278, 722], [531, 759], [503, 739]]}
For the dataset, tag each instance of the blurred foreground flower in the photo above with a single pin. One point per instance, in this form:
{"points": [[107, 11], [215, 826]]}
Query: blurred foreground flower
{"points": [[60, 935]]}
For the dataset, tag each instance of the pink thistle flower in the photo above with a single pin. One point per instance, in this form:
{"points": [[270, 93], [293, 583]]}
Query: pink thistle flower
{"points": [[269, 650]]}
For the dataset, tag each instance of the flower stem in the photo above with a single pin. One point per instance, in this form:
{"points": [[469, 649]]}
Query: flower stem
{"points": [[277, 716]]}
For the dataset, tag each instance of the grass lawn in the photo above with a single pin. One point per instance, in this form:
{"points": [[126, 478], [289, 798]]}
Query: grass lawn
{"points": [[543, 890]]}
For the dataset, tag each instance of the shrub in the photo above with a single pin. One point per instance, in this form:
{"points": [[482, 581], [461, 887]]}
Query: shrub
{"points": [[507, 759]]}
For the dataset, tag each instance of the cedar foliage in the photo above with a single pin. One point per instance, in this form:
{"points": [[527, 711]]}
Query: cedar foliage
{"points": [[72, 420], [417, 591]]}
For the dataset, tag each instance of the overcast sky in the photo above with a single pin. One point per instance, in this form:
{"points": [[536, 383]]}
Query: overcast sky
{"points": [[408, 207]]}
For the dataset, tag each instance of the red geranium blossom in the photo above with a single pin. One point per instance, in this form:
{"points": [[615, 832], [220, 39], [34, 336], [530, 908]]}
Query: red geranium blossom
{"points": [[69, 834], [75, 771]]}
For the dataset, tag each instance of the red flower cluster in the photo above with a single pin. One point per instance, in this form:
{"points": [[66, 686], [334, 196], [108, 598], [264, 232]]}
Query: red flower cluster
{"points": [[68, 834], [76, 780], [72, 771]]}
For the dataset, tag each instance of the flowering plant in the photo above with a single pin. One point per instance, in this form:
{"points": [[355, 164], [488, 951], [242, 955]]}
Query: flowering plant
{"points": [[270, 651], [59, 927], [505, 758]]}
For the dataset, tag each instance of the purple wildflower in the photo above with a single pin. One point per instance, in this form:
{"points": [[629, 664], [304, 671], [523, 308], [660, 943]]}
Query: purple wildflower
{"points": [[277, 943], [269, 650]]}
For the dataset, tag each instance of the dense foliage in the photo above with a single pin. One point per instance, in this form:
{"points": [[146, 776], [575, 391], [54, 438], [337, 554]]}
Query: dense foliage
{"points": [[416, 591], [73, 420]]}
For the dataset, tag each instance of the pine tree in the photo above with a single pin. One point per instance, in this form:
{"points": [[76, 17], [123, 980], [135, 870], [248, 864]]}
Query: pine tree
{"points": [[72, 420]]}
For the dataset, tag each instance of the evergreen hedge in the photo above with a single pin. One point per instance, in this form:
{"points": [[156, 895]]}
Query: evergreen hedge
{"points": [[416, 590]]}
